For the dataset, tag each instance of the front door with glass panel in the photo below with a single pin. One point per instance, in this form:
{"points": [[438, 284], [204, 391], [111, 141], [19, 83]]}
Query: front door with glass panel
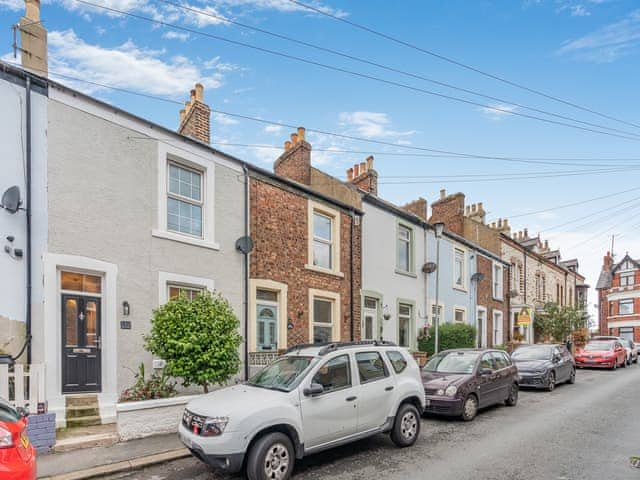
{"points": [[81, 326], [370, 317], [482, 328], [266, 321]]}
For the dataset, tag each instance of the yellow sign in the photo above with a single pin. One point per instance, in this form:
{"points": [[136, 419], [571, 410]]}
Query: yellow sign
{"points": [[524, 317], [25, 440]]}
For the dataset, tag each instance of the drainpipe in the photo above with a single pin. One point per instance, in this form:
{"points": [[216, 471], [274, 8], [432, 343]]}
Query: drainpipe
{"points": [[352, 322], [246, 274], [28, 193]]}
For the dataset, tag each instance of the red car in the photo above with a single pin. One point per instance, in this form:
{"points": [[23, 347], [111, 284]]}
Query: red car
{"points": [[17, 455], [602, 354]]}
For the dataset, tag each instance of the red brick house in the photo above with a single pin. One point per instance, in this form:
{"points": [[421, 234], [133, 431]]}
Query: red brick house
{"points": [[619, 298], [305, 267]]}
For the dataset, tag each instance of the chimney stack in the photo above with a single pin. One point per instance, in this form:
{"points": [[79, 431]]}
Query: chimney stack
{"points": [[450, 210], [33, 39], [475, 212], [607, 263], [195, 118], [295, 161], [363, 176], [417, 207]]}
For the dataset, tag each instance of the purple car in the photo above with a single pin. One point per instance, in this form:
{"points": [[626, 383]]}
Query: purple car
{"points": [[459, 382]]}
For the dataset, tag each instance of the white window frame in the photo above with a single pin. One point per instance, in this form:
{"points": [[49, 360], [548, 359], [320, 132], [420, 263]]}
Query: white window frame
{"points": [[482, 340], [412, 314], [458, 308], [627, 275], [463, 285], [335, 216], [366, 311], [498, 328], [281, 289], [168, 154], [336, 318], [410, 245], [497, 282], [626, 301], [181, 198], [165, 279], [432, 316]]}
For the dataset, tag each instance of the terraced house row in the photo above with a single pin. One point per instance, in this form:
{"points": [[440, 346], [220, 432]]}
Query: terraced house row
{"points": [[119, 214]]}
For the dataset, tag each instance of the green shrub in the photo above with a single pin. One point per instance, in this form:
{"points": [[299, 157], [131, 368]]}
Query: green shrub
{"points": [[198, 339], [156, 386], [450, 335]]}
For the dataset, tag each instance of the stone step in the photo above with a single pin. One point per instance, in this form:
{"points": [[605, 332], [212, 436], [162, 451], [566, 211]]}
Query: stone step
{"points": [[86, 441], [82, 411], [81, 400], [83, 421]]}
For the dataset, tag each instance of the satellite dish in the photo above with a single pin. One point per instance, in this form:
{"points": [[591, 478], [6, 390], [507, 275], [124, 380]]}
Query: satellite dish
{"points": [[11, 199], [244, 244]]}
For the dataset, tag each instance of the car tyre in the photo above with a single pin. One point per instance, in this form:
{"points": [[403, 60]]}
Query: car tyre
{"points": [[572, 377], [624, 363], [406, 427], [551, 382], [469, 408], [512, 399], [271, 458]]}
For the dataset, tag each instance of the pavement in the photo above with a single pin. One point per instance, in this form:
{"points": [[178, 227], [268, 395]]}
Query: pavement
{"points": [[586, 431], [121, 457]]}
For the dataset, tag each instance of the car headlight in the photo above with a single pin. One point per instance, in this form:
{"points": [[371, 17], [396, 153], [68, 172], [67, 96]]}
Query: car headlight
{"points": [[6, 438], [451, 391], [214, 426]]}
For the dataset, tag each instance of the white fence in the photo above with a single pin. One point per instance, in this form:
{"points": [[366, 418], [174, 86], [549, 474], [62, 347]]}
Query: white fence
{"points": [[23, 385]]}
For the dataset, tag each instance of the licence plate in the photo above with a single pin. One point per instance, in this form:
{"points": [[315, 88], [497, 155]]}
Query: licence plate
{"points": [[591, 361]]}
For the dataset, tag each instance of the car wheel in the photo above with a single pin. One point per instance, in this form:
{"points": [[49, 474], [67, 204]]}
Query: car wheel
{"points": [[407, 426], [512, 399], [271, 458], [469, 408], [572, 377], [615, 364], [551, 382], [624, 363]]}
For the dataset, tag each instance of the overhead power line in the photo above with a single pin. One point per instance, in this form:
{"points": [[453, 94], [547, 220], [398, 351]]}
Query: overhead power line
{"points": [[386, 67], [356, 74], [461, 64], [591, 215]]}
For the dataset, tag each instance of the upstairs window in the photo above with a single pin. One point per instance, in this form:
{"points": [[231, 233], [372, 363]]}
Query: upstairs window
{"points": [[404, 248], [626, 279], [625, 307], [323, 225], [497, 281], [184, 200], [458, 268], [322, 241]]}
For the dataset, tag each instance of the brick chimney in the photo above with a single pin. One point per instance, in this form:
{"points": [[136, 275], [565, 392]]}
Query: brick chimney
{"points": [[195, 118], [607, 262], [33, 39], [502, 226], [295, 162], [417, 207], [449, 209], [475, 212], [363, 176]]}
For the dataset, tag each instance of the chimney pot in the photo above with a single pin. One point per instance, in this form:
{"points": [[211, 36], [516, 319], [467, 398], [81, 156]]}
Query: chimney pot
{"points": [[526, 233], [443, 194], [493, 225], [301, 133], [370, 162], [363, 168], [199, 92], [32, 11], [506, 223], [467, 209], [287, 146], [480, 206], [350, 174], [182, 115], [294, 138], [356, 170]]}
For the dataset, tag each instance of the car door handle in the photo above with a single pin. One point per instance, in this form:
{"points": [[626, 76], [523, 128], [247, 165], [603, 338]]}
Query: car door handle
{"points": [[350, 399], [388, 389]]}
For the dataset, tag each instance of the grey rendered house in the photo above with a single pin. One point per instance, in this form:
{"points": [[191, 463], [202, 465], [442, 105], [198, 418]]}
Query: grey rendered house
{"points": [[125, 214]]}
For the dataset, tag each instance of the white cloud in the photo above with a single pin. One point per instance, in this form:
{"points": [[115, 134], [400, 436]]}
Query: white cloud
{"points": [[173, 35], [608, 43], [498, 111], [12, 4], [222, 119], [579, 11], [283, 6], [371, 124], [273, 129], [125, 66]]}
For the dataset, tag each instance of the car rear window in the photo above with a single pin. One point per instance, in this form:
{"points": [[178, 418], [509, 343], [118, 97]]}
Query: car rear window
{"points": [[8, 413], [370, 366], [398, 362]]}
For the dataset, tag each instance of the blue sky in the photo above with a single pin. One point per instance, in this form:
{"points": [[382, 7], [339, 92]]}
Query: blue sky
{"points": [[585, 51]]}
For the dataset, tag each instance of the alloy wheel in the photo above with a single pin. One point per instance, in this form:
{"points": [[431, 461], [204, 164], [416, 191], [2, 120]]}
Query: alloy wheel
{"points": [[551, 383], [470, 408], [276, 462], [409, 425]]}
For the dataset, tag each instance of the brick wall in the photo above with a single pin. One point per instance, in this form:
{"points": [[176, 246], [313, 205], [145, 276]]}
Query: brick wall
{"points": [[42, 431], [279, 228], [195, 118], [295, 162], [485, 297], [417, 207], [449, 209]]}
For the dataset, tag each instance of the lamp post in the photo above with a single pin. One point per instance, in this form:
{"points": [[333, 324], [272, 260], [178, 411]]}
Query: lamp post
{"points": [[438, 228]]}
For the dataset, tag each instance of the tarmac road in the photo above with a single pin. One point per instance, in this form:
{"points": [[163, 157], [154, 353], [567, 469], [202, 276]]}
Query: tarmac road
{"points": [[585, 431]]}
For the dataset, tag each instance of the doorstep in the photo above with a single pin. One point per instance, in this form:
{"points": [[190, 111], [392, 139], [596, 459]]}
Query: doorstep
{"points": [[70, 439], [117, 457]]}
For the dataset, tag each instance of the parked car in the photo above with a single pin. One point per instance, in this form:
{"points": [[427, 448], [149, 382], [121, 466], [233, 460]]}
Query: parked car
{"points": [[544, 365], [630, 347], [459, 382], [602, 354], [310, 399], [17, 455]]}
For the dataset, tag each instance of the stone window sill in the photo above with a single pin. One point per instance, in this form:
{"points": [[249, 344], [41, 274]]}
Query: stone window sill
{"points": [[315, 268], [176, 237], [406, 274]]}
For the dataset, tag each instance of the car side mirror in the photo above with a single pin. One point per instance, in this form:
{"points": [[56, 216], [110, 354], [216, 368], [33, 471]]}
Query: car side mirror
{"points": [[485, 371], [557, 358], [23, 412], [313, 390]]}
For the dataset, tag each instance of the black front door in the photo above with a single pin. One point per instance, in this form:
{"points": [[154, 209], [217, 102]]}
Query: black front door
{"points": [[80, 344]]}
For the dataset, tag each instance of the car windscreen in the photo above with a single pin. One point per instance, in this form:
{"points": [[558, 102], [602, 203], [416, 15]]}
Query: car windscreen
{"points": [[8, 413], [453, 362], [595, 346], [532, 353], [283, 374]]}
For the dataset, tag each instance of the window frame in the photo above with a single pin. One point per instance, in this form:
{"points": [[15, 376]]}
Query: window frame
{"points": [[349, 371], [318, 239], [332, 297], [377, 321], [410, 248], [166, 278], [626, 301], [181, 198], [627, 275], [463, 285], [412, 307], [190, 288], [336, 217], [498, 314], [497, 281], [457, 309]]}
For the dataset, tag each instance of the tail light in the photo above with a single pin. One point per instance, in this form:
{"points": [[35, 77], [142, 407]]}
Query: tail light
{"points": [[7, 439]]}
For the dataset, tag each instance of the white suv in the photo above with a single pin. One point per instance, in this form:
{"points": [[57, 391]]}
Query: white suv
{"points": [[310, 399]]}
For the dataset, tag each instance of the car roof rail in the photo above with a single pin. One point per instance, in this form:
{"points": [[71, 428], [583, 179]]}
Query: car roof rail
{"points": [[339, 345]]}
